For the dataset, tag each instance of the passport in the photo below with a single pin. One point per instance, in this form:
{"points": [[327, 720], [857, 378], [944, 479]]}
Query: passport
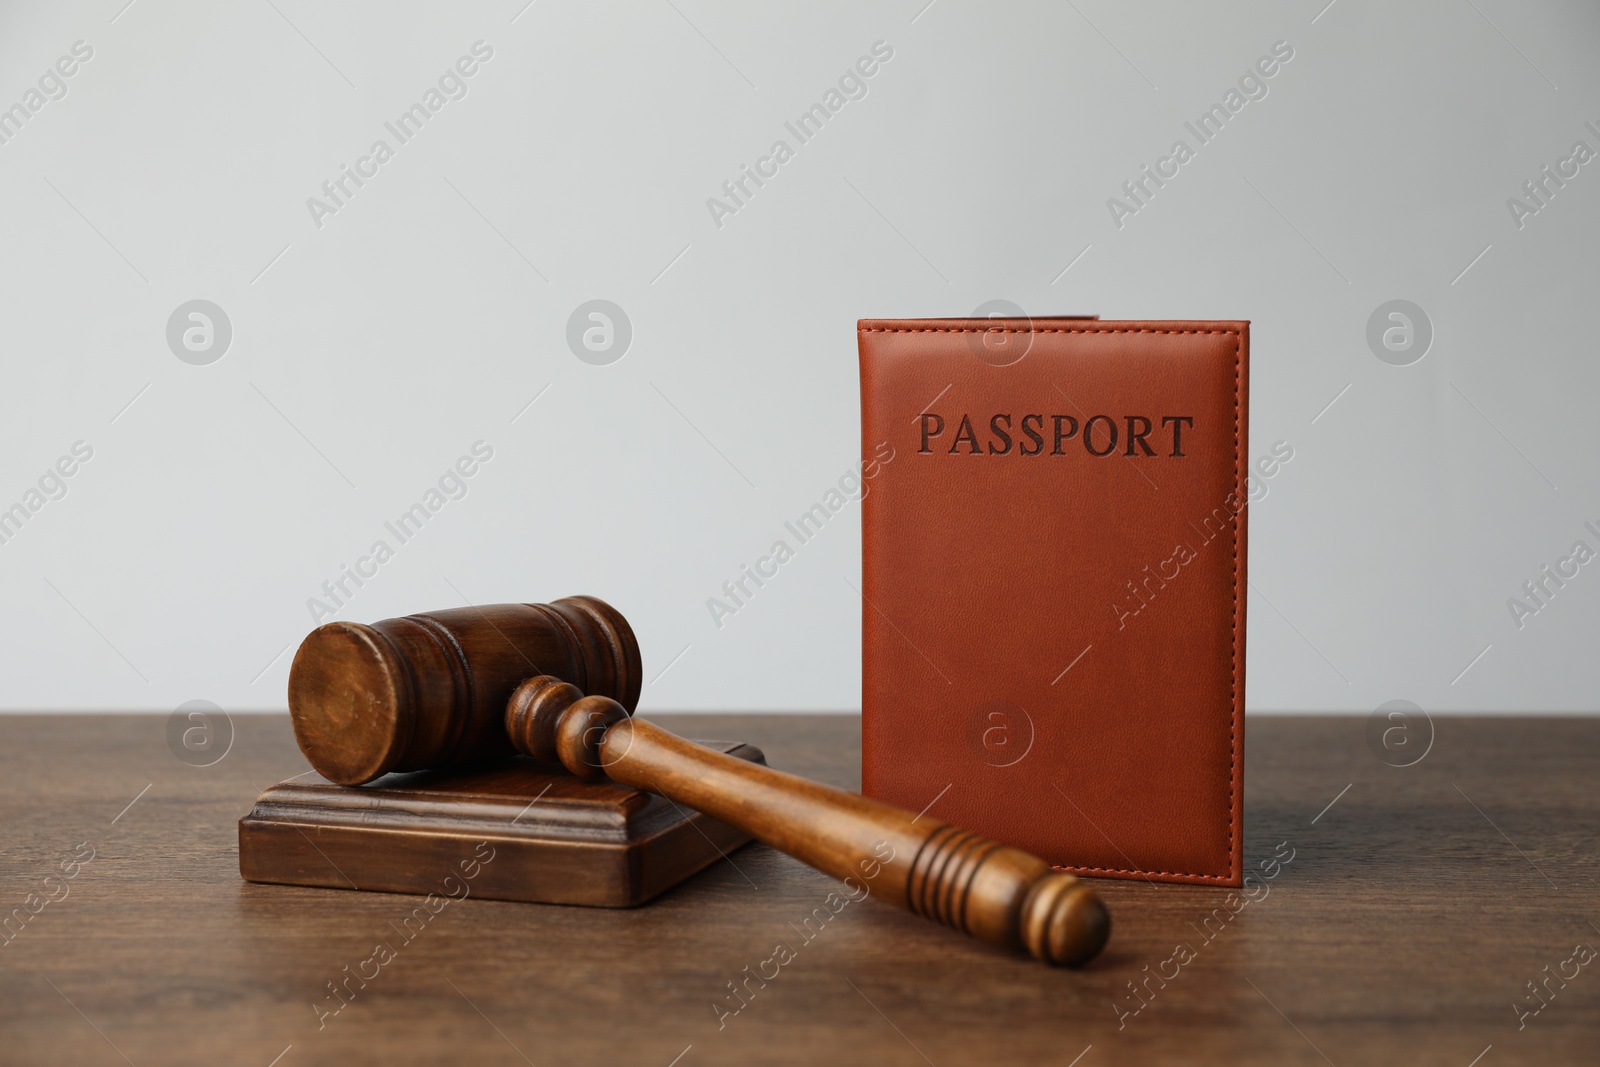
{"points": [[1053, 586]]}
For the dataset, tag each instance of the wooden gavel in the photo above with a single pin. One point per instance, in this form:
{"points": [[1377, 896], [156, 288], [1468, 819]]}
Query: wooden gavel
{"points": [[992, 892]]}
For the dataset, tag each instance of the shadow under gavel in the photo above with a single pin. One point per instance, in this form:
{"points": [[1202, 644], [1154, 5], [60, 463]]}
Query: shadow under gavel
{"points": [[992, 892]]}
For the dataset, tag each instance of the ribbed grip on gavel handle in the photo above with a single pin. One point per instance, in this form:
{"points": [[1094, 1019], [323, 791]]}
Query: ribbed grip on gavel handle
{"points": [[992, 892]]}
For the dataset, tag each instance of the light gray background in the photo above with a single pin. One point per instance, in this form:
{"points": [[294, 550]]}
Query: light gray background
{"points": [[370, 353]]}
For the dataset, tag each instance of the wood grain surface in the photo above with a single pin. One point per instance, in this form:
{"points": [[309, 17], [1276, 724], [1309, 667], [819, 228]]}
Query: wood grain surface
{"points": [[1401, 924]]}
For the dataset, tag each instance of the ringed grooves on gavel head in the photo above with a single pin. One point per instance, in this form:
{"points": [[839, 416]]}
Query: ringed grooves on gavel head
{"points": [[430, 690]]}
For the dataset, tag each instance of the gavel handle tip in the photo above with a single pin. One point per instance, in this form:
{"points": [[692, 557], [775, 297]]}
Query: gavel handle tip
{"points": [[1064, 921]]}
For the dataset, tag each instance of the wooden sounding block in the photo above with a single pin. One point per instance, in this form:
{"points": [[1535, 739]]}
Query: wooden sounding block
{"points": [[521, 830]]}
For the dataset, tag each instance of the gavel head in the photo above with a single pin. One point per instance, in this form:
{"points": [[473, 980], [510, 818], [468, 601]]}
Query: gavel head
{"points": [[552, 720], [430, 690]]}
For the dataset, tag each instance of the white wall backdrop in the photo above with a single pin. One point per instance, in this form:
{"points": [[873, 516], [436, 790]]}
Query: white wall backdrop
{"points": [[377, 339]]}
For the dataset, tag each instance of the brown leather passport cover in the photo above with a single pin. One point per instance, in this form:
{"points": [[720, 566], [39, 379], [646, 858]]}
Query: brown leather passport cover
{"points": [[1054, 586]]}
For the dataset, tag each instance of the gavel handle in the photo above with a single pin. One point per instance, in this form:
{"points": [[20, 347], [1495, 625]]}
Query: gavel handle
{"points": [[992, 892]]}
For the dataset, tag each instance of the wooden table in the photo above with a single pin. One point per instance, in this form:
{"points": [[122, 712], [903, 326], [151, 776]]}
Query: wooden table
{"points": [[1417, 904]]}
